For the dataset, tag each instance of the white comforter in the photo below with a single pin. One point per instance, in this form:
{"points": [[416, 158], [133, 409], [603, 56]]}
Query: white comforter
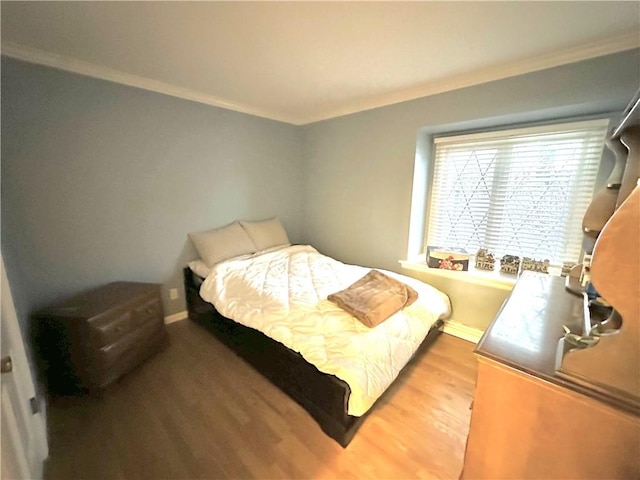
{"points": [[283, 294]]}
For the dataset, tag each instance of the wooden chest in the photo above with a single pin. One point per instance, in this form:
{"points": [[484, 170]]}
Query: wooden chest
{"points": [[92, 339]]}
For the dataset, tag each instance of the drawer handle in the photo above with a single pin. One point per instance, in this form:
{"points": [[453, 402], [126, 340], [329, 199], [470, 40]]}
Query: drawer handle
{"points": [[149, 310]]}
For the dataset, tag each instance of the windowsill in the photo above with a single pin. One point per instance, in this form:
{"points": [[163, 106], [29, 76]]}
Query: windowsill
{"points": [[493, 278]]}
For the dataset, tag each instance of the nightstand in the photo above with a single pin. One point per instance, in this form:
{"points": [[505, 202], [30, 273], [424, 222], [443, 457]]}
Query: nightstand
{"points": [[91, 340]]}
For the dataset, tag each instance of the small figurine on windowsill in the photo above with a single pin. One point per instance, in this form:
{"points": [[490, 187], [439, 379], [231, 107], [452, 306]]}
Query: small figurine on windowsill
{"points": [[510, 264], [485, 260], [533, 265]]}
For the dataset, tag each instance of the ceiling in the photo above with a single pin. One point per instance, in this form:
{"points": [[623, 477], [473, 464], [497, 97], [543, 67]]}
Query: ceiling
{"points": [[301, 62]]}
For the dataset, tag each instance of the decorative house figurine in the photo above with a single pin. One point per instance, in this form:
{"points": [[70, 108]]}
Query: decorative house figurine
{"points": [[485, 260], [528, 263], [510, 264], [543, 266], [533, 265]]}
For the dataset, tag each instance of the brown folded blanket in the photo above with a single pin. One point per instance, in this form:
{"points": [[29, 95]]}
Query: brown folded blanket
{"points": [[374, 298]]}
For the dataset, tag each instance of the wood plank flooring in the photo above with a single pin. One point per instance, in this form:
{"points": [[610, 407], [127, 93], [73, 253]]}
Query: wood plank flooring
{"points": [[196, 410]]}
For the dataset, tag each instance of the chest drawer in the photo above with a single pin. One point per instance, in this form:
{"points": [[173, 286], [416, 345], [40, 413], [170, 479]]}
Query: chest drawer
{"points": [[107, 357], [125, 356], [90, 340], [109, 328]]}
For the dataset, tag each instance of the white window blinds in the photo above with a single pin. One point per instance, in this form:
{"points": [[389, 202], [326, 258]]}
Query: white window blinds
{"points": [[521, 192]]}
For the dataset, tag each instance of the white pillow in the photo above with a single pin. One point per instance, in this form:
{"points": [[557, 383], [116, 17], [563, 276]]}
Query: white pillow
{"points": [[222, 243], [267, 233], [200, 268], [271, 249]]}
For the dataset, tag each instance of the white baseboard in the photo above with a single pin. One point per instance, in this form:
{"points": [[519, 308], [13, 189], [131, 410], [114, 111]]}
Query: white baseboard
{"points": [[175, 317], [470, 334]]}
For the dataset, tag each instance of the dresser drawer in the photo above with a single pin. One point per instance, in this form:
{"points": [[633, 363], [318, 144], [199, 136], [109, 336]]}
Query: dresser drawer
{"points": [[138, 339], [126, 358], [110, 328], [152, 308]]}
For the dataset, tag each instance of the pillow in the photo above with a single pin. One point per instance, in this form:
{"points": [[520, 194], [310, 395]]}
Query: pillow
{"points": [[266, 234], [200, 268], [271, 249], [222, 243]]}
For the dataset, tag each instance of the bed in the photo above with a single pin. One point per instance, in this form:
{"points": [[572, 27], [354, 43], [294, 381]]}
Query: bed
{"points": [[338, 408]]}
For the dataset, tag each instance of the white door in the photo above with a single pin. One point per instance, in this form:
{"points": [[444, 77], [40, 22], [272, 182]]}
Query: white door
{"points": [[24, 437]]}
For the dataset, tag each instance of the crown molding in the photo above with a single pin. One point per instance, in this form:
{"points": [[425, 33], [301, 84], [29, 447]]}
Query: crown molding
{"points": [[627, 41], [62, 62]]}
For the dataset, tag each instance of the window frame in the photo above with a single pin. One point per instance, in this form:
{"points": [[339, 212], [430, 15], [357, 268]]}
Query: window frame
{"points": [[428, 155]]}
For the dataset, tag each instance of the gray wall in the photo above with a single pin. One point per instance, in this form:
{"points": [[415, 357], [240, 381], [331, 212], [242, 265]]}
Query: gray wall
{"points": [[102, 182], [359, 168]]}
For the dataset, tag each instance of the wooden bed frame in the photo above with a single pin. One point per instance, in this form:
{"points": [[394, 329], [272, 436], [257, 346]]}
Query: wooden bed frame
{"points": [[324, 396]]}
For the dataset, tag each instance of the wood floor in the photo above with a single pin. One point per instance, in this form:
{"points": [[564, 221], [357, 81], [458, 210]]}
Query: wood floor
{"points": [[198, 411]]}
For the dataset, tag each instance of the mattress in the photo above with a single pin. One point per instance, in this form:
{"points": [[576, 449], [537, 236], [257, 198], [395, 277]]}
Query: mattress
{"points": [[283, 294]]}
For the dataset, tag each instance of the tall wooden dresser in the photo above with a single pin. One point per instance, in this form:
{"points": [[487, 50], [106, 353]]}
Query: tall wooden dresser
{"points": [[528, 422], [92, 339]]}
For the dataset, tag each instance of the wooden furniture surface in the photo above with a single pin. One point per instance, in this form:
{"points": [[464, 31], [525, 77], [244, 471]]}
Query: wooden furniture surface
{"points": [[324, 396], [528, 422], [612, 366], [92, 339]]}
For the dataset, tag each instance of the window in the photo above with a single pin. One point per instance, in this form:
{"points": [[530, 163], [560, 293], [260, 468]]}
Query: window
{"points": [[522, 192]]}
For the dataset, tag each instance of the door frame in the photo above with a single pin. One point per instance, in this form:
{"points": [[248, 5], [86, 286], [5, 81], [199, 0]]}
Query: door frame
{"points": [[24, 432]]}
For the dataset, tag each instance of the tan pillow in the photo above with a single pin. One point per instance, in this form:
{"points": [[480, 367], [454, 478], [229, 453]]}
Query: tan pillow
{"points": [[200, 268], [267, 233], [222, 243]]}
